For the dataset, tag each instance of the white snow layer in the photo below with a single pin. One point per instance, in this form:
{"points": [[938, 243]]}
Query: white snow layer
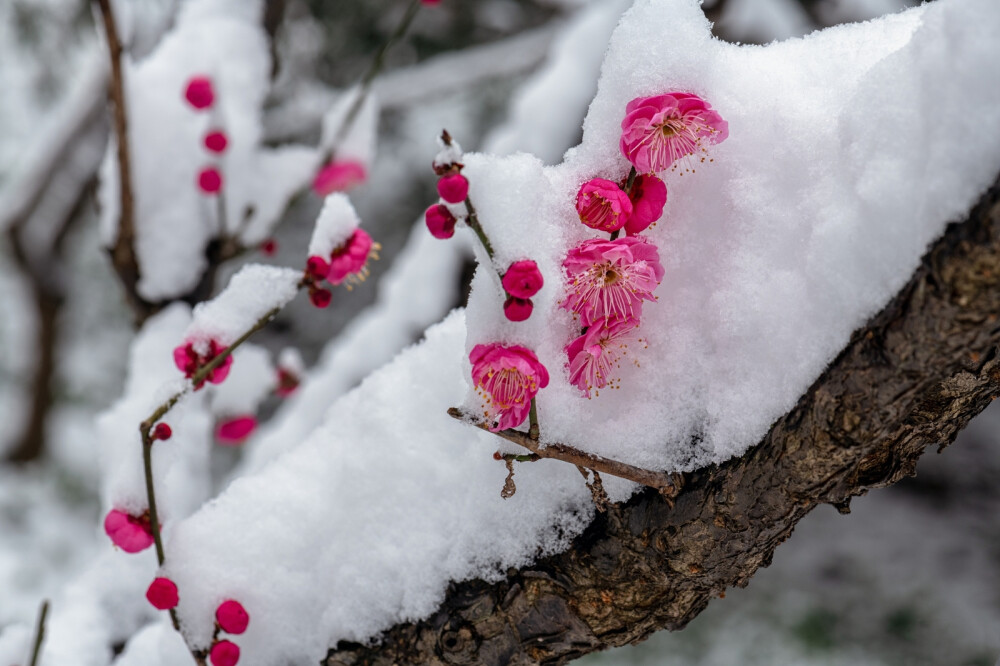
{"points": [[336, 222], [837, 173], [174, 220]]}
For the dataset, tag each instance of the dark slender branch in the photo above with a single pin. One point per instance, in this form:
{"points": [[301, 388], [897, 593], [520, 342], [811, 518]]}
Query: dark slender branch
{"points": [[123, 255], [39, 633], [555, 451], [369, 76]]}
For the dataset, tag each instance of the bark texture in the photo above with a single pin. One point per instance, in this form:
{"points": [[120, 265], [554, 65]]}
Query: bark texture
{"points": [[912, 378]]}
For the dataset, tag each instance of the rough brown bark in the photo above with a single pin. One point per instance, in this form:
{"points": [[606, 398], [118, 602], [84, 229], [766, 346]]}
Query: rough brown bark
{"points": [[913, 377]]}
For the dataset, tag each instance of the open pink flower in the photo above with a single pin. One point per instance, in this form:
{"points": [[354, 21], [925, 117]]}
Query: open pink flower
{"points": [[658, 131], [162, 593], [610, 279], [602, 205], [523, 279], [189, 361], [649, 196], [350, 260], [339, 177], [595, 357], [507, 378], [234, 431], [130, 533], [199, 92]]}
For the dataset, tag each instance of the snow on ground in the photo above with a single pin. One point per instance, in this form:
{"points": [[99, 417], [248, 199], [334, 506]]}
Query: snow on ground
{"points": [[814, 213]]}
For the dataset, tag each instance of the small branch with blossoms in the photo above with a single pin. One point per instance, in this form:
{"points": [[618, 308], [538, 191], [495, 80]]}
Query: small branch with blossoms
{"points": [[607, 281]]}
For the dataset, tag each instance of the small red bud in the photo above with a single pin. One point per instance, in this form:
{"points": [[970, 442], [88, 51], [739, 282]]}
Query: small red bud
{"points": [[224, 653], [517, 309], [199, 92], [210, 180], [162, 431], [232, 617], [162, 593], [320, 297], [454, 188], [269, 247], [497, 456], [317, 267], [216, 141], [440, 221]]}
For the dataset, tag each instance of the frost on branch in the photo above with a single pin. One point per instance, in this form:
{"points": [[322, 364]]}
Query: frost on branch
{"points": [[208, 77]]}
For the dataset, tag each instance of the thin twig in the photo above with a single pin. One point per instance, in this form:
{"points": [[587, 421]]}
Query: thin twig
{"points": [[369, 76], [146, 431], [555, 451], [43, 613], [123, 255]]}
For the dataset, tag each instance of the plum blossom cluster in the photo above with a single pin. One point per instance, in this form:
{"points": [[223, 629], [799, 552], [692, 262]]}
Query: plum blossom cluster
{"points": [[339, 250], [200, 94], [230, 618], [507, 377], [608, 280]]}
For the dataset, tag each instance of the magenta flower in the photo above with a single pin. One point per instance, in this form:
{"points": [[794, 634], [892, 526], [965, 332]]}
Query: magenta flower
{"points": [[210, 180], [130, 533], [610, 279], [506, 378], [454, 188], [224, 653], [440, 221], [649, 196], [658, 131], [517, 309], [216, 141], [199, 92], [234, 431], [339, 177], [602, 205], [350, 260], [190, 361], [232, 617], [523, 279], [162, 593], [595, 357]]}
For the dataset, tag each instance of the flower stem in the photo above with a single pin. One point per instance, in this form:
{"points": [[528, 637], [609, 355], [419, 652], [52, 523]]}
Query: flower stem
{"points": [[43, 613], [630, 182], [533, 421], [475, 226]]}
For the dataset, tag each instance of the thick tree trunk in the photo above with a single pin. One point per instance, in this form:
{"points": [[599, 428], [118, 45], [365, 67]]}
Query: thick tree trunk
{"points": [[912, 378]]}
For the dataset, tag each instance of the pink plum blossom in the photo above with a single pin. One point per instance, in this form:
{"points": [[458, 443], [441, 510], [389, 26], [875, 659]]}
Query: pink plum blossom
{"points": [[339, 177], [649, 196], [454, 188], [189, 361], [210, 180], [232, 617], [199, 92], [595, 356], [660, 130], [506, 378], [440, 221], [162, 593], [523, 279], [517, 309], [130, 533], [602, 205], [224, 653], [610, 279], [234, 431], [216, 141], [350, 260]]}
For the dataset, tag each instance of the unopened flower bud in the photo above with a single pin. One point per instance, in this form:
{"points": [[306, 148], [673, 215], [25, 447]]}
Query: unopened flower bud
{"points": [[454, 188]]}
